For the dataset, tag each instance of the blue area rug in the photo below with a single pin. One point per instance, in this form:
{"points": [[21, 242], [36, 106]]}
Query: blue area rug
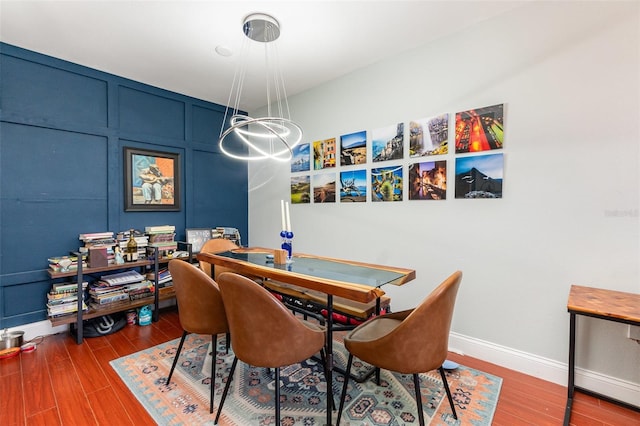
{"points": [[303, 393]]}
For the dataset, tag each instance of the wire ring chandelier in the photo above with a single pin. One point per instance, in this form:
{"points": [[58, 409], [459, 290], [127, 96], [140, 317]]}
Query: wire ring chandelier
{"points": [[271, 137]]}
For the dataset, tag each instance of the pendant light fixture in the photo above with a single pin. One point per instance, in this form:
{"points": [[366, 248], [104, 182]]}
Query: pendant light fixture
{"points": [[275, 135]]}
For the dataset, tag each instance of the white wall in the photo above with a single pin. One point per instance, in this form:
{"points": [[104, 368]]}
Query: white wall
{"points": [[569, 76]]}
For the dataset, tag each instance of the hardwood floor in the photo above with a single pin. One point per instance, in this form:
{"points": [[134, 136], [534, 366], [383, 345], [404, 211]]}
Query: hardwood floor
{"points": [[62, 383]]}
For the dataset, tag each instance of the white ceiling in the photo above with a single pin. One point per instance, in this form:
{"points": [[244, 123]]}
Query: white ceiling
{"points": [[171, 44]]}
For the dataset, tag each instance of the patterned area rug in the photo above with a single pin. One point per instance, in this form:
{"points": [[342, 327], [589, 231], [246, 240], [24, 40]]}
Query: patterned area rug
{"points": [[303, 393]]}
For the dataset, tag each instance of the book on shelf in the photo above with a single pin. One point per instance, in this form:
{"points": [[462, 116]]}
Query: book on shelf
{"points": [[102, 294], [96, 306], [61, 299], [164, 249], [100, 247], [93, 236], [126, 277], [55, 311], [99, 289], [162, 237], [141, 240], [65, 263], [163, 274], [165, 245], [165, 280], [141, 293], [53, 308], [159, 229], [146, 284], [108, 298], [106, 243], [72, 268], [66, 287]]}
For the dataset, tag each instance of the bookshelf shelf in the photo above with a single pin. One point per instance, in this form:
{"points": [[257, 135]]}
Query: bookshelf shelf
{"points": [[128, 265], [160, 294]]}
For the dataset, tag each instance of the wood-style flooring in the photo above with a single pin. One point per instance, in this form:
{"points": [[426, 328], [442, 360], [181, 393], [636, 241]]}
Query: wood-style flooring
{"points": [[62, 383]]}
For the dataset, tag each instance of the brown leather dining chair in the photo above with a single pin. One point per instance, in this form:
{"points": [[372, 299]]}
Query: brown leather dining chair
{"points": [[216, 245], [265, 333], [408, 342], [200, 310]]}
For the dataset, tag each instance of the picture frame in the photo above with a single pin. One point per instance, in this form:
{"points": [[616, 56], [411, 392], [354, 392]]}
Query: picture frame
{"points": [[151, 180], [197, 237]]}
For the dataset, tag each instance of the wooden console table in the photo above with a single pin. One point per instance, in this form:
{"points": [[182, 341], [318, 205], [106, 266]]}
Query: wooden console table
{"points": [[608, 305]]}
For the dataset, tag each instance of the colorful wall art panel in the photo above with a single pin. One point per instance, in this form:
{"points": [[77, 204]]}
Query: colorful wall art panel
{"points": [[324, 188], [300, 189], [428, 181], [353, 148], [480, 129], [300, 160], [353, 186], [387, 143], [324, 154], [479, 176], [386, 184], [429, 136]]}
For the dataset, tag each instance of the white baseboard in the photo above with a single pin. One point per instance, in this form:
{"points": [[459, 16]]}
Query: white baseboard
{"points": [[40, 328], [544, 368], [44, 328]]}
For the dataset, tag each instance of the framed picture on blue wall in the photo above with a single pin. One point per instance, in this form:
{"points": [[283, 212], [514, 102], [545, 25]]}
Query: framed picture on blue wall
{"points": [[151, 180]]}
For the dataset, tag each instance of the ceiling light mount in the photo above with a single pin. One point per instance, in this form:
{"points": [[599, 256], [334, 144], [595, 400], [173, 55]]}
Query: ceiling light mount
{"points": [[271, 137], [261, 27]]}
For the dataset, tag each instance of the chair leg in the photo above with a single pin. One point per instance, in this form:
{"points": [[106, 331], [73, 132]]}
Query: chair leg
{"points": [[277, 386], [214, 350], [446, 388], [226, 389], [175, 360], [344, 388], [416, 385]]}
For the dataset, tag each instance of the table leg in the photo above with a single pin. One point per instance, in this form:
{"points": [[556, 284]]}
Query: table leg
{"points": [[329, 368], [572, 359]]}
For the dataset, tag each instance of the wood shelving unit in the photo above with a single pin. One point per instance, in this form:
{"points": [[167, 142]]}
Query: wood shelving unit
{"points": [[78, 317]]}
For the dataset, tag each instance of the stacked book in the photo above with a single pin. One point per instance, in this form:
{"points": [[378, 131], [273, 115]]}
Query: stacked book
{"points": [[63, 299], [162, 237], [141, 239], [141, 290], [66, 263], [119, 287], [164, 277], [104, 240]]}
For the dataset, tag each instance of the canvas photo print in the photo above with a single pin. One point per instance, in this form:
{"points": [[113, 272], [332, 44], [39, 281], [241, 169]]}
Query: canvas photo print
{"points": [[353, 186], [353, 148], [387, 143], [300, 189], [429, 136], [479, 176], [324, 154], [300, 159], [428, 180], [324, 188], [480, 129], [386, 184]]}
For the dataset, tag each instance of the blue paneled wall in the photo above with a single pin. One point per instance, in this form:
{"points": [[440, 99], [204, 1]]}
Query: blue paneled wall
{"points": [[62, 132]]}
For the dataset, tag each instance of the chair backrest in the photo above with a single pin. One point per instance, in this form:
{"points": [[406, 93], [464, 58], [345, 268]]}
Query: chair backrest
{"points": [[421, 342], [200, 306], [216, 245], [265, 333]]}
